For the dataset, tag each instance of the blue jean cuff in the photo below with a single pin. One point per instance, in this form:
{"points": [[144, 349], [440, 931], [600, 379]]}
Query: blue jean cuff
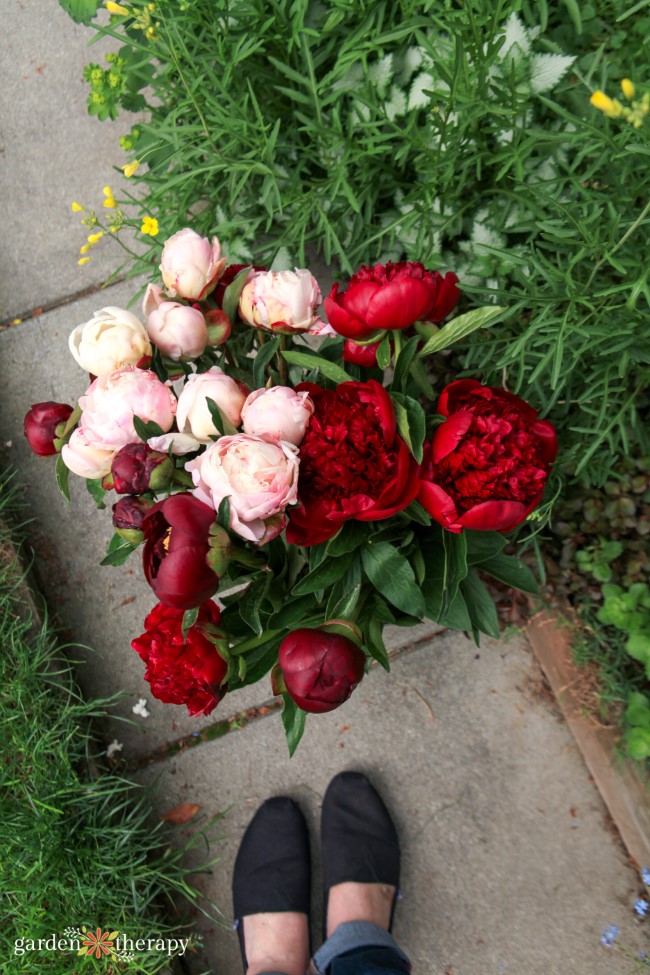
{"points": [[351, 935]]}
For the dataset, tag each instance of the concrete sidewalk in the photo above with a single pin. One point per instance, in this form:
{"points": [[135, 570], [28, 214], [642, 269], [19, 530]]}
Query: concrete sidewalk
{"points": [[510, 863]]}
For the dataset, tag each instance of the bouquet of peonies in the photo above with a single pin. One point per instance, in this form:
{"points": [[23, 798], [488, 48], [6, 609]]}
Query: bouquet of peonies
{"points": [[312, 480]]}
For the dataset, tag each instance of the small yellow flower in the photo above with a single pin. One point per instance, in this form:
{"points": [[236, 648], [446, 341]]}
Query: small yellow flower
{"points": [[627, 87], [16, 321], [113, 230], [84, 248], [93, 238], [149, 226], [77, 207], [117, 8], [150, 34], [110, 199], [130, 168], [610, 106], [83, 260], [152, 7]]}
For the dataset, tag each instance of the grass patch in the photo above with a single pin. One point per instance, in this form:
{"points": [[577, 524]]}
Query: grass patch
{"points": [[77, 842]]}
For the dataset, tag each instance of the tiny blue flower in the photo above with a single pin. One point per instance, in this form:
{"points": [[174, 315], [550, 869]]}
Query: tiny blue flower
{"points": [[641, 907], [609, 935], [195, 734], [645, 876]]}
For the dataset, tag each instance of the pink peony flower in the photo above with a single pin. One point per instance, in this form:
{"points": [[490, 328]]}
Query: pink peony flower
{"points": [[193, 414], [179, 331], [153, 297], [280, 412], [259, 476], [82, 457], [111, 402], [191, 265], [281, 301]]}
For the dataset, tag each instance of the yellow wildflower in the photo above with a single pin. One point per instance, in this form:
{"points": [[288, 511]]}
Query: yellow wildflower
{"points": [[150, 34], [16, 321], [610, 106], [93, 238], [83, 260], [149, 226], [85, 248], [77, 207], [130, 168], [117, 8], [627, 87], [113, 230], [110, 199]]}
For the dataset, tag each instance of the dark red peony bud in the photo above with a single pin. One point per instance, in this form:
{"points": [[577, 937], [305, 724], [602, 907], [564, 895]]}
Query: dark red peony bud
{"points": [[179, 534], [360, 355], [137, 468], [184, 670], [41, 426], [320, 670], [128, 515]]}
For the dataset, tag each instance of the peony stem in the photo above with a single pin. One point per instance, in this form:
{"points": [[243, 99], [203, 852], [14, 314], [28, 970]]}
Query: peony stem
{"points": [[282, 362], [397, 346], [261, 337]]}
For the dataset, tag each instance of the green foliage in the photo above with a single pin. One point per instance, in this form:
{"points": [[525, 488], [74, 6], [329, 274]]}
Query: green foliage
{"points": [[77, 843], [637, 733], [629, 610]]}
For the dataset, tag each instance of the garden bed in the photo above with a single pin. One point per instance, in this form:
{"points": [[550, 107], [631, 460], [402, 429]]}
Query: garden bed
{"points": [[623, 784]]}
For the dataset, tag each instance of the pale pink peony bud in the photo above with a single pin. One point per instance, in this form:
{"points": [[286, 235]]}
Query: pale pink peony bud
{"points": [[179, 331], [113, 338], [191, 265], [279, 411], [258, 475], [281, 301], [84, 458], [193, 413]]}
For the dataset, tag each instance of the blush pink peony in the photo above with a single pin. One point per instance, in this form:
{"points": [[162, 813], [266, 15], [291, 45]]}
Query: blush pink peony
{"points": [[259, 476], [280, 412], [110, 403], [191, 265], [179, 331], [193, 414], [113, 338], [281, 301]]}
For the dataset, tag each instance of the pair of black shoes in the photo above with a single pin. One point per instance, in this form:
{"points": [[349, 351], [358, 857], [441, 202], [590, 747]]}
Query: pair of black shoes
{"points": [[359, 843]]}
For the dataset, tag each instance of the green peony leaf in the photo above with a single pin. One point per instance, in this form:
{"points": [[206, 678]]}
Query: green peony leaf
{"points": [[293, 719], [392, 575], [310, 361], [459, 328]]}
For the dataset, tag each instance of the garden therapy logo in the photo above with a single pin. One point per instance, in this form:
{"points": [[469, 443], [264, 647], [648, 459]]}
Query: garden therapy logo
{"points": [[98, 944]]}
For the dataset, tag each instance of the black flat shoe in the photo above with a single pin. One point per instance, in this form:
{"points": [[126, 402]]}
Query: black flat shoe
{"points": [[272, 868], [358, 837]]}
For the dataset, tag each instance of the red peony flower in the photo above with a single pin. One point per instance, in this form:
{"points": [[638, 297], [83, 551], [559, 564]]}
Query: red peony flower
{"points": [[488, 462], [352, 463], [40, 426], [181, 535], [391, 296], [184, 671], [320, 669], [360, 355]]}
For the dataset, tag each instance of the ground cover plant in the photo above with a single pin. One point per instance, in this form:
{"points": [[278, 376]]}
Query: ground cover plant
{"points": [[77, 845]]}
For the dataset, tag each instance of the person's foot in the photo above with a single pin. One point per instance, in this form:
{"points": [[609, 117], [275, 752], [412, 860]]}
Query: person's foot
{"points": [[361, 856], [271, 881], [277, 942], [359, 902]]}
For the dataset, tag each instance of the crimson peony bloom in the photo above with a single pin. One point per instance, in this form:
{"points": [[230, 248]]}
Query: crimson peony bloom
{"points": [[352, 463], [137, 468], [391, 296], [184, 671], [181, 535], [488, 462], [40, 426], [360, 355], [320, 669]]}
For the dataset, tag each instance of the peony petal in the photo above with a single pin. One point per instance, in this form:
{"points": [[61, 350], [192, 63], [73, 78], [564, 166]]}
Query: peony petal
{"points": [[494, 516], [357, 299], [439, 505], [545, 431], [374, 394], [180, 443], [342, 321], [449, 434], [448, 402], [399, 303], [446, 300]]}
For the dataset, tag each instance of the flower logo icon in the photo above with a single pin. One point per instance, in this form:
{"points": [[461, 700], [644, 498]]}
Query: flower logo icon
{"points": [[98, 944]]}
